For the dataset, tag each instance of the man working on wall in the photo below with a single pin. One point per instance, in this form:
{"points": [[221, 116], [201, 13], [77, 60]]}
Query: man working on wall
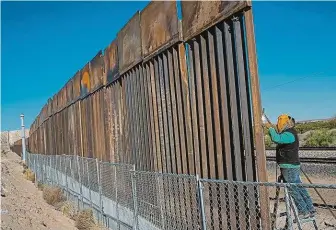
{"points": [[287, 157]]}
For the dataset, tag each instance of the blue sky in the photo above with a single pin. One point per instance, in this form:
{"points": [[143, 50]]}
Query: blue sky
{"points": [[44, 43]]}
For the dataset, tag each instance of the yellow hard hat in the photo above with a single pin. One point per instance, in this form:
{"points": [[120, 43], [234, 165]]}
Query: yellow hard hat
{"points": [[284, 122]]}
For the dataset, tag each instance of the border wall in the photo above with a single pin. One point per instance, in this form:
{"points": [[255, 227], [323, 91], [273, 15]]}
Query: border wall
{"points": [[167, 95]]}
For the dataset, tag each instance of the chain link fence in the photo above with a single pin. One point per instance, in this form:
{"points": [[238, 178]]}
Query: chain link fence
{"points": [[122, 198]]}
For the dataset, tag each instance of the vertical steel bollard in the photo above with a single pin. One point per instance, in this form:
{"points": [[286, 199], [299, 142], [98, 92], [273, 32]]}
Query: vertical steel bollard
{"points": [[201, 202], [135, 199], [80, 181], [100, 190], [288, 209]]}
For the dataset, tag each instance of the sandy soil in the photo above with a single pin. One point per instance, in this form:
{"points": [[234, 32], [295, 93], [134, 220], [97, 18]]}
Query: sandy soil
{"points": [[23, 206]]}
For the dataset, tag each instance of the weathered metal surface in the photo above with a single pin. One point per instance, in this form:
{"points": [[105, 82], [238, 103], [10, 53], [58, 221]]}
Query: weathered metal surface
{"points": [[159, 25], [173, 111], [160, 116], [69, 91], [85, 83], [216, 106], [150, 117], [96, 67], [109, 124], [190, 155], [49, 109], [177, 166], [76, 86], [111, 63], [129, 43], [155, 116], [197, 16], [258, 130]]}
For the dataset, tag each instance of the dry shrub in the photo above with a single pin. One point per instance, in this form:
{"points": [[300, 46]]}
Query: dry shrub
{"points": [[40, 186], [99, 226], [67, 208], [85, 220], [53, 195], [29, 175]]}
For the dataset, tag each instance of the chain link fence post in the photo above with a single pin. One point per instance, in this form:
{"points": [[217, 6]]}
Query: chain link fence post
{"points": [[134, 195], [80, 181], [201, 202], [100, 190]]}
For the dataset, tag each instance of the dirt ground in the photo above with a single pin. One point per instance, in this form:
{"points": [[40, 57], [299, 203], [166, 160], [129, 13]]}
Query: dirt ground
{"points": [[23, 206]]}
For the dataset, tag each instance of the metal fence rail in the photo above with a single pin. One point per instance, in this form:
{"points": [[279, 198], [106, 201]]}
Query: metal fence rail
{"points": [[123, 198]]}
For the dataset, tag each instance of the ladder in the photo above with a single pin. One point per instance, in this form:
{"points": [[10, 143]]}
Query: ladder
{"points": [[289, 209]]}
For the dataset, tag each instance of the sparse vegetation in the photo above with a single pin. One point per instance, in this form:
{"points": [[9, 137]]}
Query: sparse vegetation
{"points": [[321, 138], [312, 134], [40, 186], [85, 220], [328, 125], [53, 195], [29, 175], [67, 208]]}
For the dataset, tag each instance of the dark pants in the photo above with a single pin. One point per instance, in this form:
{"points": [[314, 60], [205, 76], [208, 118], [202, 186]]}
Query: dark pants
{"points": [[299, 194]]}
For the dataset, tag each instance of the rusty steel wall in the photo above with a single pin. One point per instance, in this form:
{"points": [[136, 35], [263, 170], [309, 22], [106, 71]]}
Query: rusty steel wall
{"points": [[186, 108], [169, 96]]}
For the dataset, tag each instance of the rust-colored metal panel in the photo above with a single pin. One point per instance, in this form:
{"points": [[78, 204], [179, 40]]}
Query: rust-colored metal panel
{"points": [[85, 83], [71, 129], [200, 108], [69, 91], [108, 124], [256, 108], [50, 104], [151, 118], [198, 16], [101, 123], [208, 108], [76, 86], [129, 44], [145, 123], [54, 104], [175, 127], [160, 116], [111, 63], [96, 71], [215, 98], [159, 26]]}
